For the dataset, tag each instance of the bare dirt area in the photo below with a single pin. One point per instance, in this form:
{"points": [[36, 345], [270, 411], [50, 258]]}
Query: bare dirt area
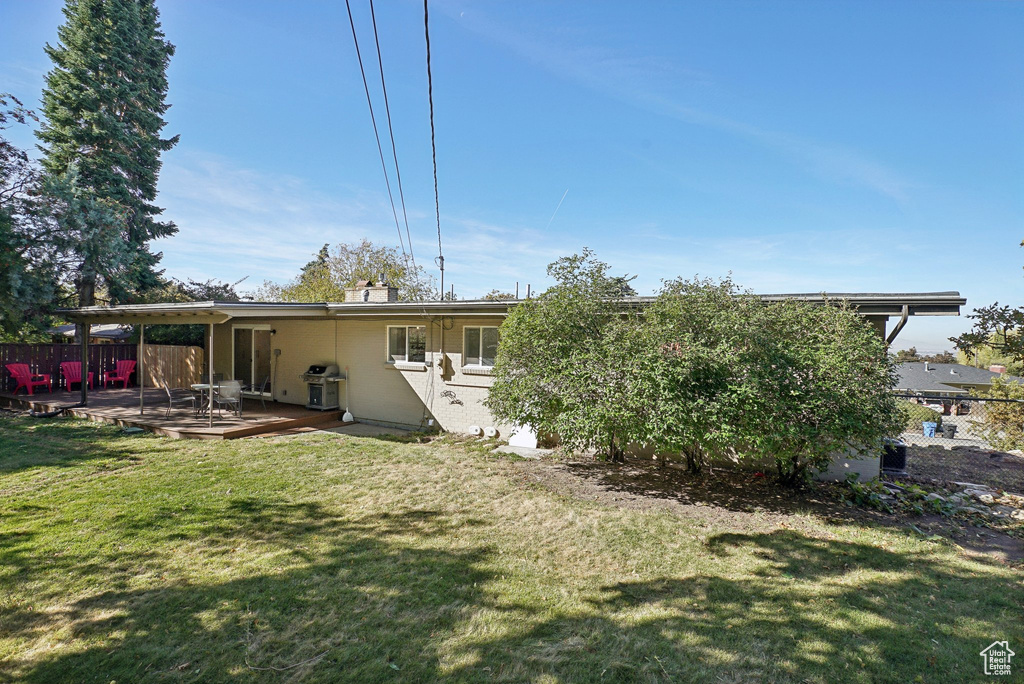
{"points": [[996, 469], [745, 501]]}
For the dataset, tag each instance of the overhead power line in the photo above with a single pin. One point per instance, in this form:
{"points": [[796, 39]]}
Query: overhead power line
{"points": [[391, 132], [433, 146], [373, 119]]}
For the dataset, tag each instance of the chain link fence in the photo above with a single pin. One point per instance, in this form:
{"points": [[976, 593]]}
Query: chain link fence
{"points": [[950, 439]]}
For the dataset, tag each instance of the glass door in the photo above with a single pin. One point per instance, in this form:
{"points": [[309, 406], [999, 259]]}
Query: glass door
{"points": [[261, 360], [251, 357], [243, 356]]}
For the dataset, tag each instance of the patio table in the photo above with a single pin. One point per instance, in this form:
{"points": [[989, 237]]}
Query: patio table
{"points": [[203, 388]]}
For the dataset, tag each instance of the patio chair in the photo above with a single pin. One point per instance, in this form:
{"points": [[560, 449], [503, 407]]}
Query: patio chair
{"points": [[181, 397], [229, 393], [24, 377], [258, 392], [121, 374], [72, 372]]}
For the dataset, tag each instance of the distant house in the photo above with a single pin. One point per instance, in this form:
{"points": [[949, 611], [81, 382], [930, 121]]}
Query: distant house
{"points": [[945, 380], [99, 333]]}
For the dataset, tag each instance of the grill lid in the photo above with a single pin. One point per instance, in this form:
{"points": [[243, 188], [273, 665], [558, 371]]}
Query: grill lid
{"points": [[322, 370]]}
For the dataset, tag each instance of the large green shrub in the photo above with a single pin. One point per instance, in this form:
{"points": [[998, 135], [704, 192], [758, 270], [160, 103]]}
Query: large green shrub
{"points": [[705, 370], [692, 383], [562, 367], [821, 385]]}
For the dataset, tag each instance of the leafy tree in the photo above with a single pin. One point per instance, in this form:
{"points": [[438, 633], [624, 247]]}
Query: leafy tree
{"points": [[186, 291], [985, 355], [941, 357], [313, 284], [559, 367], [326, 276], [1002, 423], [905, 355], [104, 106], [498, 296], [621, 287], [996, 329]]}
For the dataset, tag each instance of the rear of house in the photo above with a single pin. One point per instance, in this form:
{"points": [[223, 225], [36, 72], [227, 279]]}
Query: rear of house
{"points": [[409, 364]]}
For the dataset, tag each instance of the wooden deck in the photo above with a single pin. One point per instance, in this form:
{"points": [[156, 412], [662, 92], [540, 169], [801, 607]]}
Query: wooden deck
{"points": [[121, 407]]}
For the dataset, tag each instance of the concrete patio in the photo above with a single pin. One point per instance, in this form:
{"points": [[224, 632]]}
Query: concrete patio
{"points": [[121, 407]]}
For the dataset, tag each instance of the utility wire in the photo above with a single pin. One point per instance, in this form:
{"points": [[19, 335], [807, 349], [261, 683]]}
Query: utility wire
{"points": [[380, 149], [433, 146], [394, 151]]}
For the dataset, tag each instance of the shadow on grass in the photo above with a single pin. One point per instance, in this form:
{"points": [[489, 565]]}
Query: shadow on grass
{"points": [[733, 490], [372, 604], [391, 598], [816, 610], [27, 442]]}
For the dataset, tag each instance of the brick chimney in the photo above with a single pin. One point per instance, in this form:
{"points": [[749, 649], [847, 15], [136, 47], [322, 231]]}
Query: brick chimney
{"points": [[997, 369], [366, 291]]}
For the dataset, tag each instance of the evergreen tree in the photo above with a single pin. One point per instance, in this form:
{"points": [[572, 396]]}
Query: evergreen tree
{"points": [[104, 106]]}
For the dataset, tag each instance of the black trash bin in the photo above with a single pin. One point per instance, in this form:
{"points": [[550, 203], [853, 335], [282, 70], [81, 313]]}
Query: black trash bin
{"points": [[894, 456]]}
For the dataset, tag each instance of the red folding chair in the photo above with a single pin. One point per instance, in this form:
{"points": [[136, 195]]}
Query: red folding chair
{"points": [[27, 379]]}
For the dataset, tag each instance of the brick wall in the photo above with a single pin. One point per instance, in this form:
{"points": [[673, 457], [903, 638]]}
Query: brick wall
{"points": [[371, 293]]}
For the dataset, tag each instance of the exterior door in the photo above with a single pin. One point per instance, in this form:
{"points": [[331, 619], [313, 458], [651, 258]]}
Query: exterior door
{"points": [[251, 356], [261, 359]]}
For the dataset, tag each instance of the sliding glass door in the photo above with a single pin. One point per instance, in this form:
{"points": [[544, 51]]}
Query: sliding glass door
{"points": [[251, 355]]}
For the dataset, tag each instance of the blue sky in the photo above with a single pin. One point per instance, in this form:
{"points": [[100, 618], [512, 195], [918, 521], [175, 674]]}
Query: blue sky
{"points": [[803, 147]]}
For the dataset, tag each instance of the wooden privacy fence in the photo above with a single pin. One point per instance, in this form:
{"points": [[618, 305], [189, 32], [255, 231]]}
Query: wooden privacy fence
{"points": [[46, 358], [170, 365], [166, 365]]}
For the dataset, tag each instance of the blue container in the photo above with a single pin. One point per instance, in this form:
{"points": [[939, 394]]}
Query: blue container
{"points": [[929, 428]]}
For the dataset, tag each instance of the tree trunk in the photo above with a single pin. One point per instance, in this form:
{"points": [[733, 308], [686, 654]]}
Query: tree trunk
{"points": [[615, 453], [87, 290], [693, 461]]}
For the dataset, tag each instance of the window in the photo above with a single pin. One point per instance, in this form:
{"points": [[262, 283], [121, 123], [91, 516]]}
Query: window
{"points": [[407, 344], [481, 347]]}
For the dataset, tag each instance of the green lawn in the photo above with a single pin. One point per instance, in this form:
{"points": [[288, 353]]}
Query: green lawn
{"points": [[137, 558]]}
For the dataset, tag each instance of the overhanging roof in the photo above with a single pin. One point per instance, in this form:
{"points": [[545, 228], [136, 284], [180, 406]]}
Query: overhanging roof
{"points": [[182, 313], [886, 304], [868, 304]]}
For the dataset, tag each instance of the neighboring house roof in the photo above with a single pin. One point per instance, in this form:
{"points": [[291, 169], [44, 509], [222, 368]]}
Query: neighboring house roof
{"points": [[106, 331], [948, 378], [868, 304]]}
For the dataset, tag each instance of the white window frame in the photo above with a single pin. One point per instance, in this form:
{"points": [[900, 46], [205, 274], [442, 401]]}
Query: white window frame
{"points": [[480, 349], [406, 361]]}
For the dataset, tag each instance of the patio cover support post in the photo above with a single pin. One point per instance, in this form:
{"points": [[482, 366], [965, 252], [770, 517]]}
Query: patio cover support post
{"points": [[141, 376], [210, 377], [83, 341]]}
